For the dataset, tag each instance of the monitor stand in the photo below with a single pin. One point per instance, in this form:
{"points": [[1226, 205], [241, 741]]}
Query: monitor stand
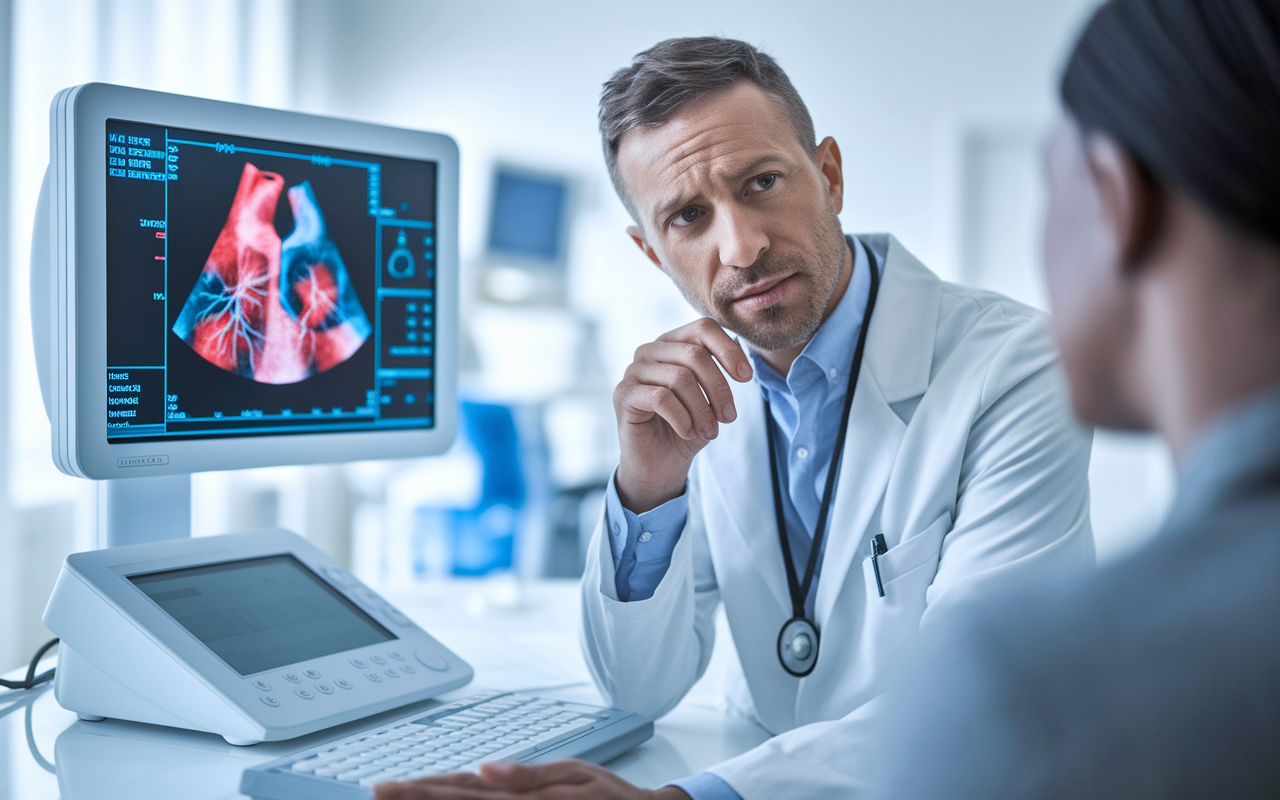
{"points": [[141, 510]]}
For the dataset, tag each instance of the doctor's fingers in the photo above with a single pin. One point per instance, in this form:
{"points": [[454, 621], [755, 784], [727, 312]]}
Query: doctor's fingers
{"points": [[670, 391], [567, 779], [708, 333], [697, 358]]}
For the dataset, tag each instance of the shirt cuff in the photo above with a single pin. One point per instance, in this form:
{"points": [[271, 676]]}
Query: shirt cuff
{"points": [[642, 543], [706, 786]]}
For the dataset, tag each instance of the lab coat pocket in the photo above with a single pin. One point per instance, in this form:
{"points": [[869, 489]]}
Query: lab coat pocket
{"points": [[906, 572]]}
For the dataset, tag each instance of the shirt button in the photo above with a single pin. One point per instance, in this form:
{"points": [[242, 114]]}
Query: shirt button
{"points": [[802, 452], [616, 527], [833, 372], [646, 536]]}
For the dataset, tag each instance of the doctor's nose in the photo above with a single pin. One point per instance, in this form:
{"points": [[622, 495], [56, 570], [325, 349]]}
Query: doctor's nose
{"points": [[740, 240]]}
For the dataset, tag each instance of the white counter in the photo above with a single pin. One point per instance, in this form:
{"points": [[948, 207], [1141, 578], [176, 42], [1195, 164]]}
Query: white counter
{"points": [[516, 638]]}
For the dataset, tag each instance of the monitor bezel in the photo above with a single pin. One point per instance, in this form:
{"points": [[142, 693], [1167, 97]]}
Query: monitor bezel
{"points": [[86, 174]]}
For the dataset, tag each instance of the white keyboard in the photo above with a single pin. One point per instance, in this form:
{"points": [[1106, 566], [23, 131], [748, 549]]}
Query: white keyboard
{"points": [[456, 737]]}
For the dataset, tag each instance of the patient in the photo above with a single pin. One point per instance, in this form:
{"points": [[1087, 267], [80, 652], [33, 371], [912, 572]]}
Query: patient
{"points": [[1160, 676]]}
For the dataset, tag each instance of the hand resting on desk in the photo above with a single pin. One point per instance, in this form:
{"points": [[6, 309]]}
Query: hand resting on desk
{"points": [[568, 779]]}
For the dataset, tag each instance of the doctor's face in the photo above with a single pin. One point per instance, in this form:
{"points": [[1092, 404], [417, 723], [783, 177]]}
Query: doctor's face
{"points": [[739, 214]]}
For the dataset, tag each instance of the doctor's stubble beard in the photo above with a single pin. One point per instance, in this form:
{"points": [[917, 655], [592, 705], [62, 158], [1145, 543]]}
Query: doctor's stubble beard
{"points": [[783, 326]]}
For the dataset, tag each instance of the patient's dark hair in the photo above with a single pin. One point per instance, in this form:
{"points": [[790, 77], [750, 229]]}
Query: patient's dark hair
{"points": [[1192, 89], [672, 74]]}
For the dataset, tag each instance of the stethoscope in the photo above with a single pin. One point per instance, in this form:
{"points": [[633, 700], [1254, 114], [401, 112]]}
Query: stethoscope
{"points": [[798, 639]]}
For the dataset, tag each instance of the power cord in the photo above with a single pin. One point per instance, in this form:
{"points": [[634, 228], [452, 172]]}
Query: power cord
{"points": [[33, 680]]}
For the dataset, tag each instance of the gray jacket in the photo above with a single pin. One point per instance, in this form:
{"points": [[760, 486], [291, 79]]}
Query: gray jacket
{"points": [[1155, 677]]}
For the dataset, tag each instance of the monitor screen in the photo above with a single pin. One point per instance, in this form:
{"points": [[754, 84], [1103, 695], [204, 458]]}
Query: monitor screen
{"points": [[261, 613], [528, 217], [260, 287]]}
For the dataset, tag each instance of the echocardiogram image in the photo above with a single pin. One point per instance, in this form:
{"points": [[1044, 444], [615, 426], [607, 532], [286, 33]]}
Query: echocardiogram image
{"points": [[274, 312]]}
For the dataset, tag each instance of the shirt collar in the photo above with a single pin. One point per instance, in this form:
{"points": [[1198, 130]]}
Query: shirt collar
{"points": [[831, 348]]}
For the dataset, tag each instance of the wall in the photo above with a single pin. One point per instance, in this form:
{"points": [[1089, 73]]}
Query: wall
{"points": [[938, 107]]}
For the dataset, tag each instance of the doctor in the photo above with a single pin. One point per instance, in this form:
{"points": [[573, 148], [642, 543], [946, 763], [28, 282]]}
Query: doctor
{"points": [[864, 407]]}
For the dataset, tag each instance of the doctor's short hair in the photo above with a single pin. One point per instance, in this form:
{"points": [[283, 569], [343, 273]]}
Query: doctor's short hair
{"points": [[672, 74]]}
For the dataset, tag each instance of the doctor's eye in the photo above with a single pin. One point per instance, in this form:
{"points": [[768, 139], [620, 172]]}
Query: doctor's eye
{"points": [[687, 217], [766, 181]]}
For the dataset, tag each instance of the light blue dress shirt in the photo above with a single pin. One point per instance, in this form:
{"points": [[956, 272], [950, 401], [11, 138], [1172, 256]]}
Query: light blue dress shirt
{"points": [[806, 407]]}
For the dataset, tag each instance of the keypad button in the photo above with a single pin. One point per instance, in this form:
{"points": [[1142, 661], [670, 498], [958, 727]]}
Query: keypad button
{"points": [[269, 700], [397, 655], [359, 663], [432, 660], [342, 683], [391, 672], [373, 676], [292, 677], [312, 674], [262, 686], [305, 694], [408, 669], [379, 660], [324, 688]]}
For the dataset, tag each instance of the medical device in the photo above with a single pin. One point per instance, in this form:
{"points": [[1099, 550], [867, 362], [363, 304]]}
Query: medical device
{"points": [[255, 637], [217, 286], [457, 737]]}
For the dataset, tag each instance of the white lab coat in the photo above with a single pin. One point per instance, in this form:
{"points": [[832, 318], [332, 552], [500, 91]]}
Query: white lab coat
{"points": [[961, 450]]}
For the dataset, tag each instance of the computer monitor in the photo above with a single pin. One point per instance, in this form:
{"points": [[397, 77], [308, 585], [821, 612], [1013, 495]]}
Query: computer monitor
{"points": [[527, 249], [228, 287]]}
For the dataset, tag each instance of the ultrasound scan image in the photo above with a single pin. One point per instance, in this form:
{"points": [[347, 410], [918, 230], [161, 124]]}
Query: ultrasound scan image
{"points": [[274, 312]]}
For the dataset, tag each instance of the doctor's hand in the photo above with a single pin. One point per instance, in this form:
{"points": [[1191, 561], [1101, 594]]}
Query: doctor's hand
{"points": [[669, 404], [569, 779]]}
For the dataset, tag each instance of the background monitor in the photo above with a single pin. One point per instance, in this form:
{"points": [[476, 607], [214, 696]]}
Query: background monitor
{"points": [[230, 287], [527, 248]]}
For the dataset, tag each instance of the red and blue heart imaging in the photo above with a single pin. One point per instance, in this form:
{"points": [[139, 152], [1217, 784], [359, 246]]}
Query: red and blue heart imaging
{"points": [[273, 311], [260, 287]]}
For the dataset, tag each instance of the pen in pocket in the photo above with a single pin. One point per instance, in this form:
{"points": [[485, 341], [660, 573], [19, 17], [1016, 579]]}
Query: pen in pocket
{"points": [[878, 548]]}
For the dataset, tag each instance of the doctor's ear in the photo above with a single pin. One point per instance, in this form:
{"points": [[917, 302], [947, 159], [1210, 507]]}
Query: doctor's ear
{"points": [[1132, 200], [637, 236], [831, 165]]}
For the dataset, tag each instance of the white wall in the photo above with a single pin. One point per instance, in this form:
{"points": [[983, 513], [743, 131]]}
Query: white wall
{"points": [[938, 107]]}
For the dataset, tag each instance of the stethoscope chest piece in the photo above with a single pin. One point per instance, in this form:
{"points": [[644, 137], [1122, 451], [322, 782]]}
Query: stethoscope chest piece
{"points": [[798, 646]]}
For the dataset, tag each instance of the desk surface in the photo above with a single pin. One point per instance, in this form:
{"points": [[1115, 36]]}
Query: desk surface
{"points": [[510, 633]]}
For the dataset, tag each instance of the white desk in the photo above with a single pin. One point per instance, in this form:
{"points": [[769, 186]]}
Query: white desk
{"points": [[45, 752]]}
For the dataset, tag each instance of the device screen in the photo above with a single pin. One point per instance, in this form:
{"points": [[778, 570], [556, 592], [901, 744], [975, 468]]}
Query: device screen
{"points": [[261, 613], [264, 287]]}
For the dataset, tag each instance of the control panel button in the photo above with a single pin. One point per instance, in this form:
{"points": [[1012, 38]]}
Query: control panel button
{"points": [[391, 672], [407, 669], [342, 683], [359, 663], [379, 660], [292, 677], [324, 688], [432, 660], [312, 674], [305, 694], [397, 655], [373, 676], [262, 686], [269, 700]]}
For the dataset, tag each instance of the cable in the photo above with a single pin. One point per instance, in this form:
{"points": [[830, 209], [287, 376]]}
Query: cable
{"points": [[33, 679]]}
